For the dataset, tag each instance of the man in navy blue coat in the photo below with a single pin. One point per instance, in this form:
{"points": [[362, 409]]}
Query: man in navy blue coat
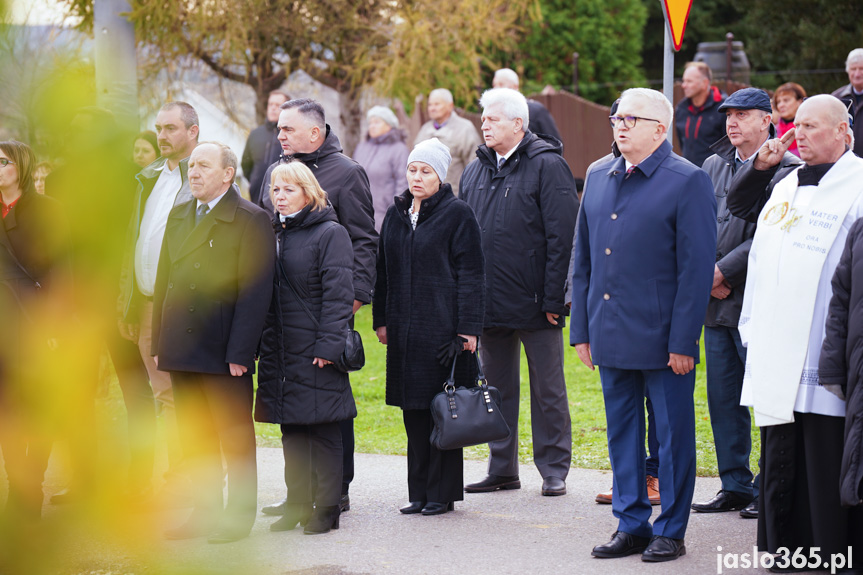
{"points": [[644, 252]]}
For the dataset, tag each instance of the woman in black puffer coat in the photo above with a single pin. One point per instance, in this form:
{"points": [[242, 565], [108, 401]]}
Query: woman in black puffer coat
{"points": [[306, 329], [840, 368], [430, 292]]}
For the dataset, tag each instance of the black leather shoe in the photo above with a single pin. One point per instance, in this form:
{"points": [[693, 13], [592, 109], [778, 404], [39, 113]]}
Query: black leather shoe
{"points": [[344, 503], [751, 510], [663, 548], [414, 507], [227, 536], [433, 508], [493, 483], [553, 486], [621, 545], [723, 501], [276, 508]]}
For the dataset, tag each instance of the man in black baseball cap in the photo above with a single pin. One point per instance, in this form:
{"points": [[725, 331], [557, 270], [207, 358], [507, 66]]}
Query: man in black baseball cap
{"points": [[748, 127]]}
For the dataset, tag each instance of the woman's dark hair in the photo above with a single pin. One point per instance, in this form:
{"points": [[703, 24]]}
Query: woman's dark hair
{"points": [[25, 161], [150, 137]]}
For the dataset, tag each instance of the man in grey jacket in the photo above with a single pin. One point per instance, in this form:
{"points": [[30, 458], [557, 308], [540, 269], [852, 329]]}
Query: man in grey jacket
{"points": [[748, 127], [161, 186]]}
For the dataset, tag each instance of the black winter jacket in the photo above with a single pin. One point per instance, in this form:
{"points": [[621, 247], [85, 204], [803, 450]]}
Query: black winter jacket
{"points": [[750, 188], [262, 149], [347, 187], [699, 128], [315, 255], [429, 289], [526, 213], [841, 362]]}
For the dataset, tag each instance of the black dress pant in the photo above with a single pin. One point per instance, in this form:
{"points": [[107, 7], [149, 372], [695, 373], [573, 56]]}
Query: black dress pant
{"points": [[140, 409], [799, 497], [313, 463], [347, 430], [214, 418], [433, 475]]}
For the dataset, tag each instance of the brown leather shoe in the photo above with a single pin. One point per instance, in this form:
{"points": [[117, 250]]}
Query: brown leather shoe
{"points": [[604, 497], [653, 490]]}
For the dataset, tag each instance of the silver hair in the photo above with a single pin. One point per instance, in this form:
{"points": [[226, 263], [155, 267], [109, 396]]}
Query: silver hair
{"points": [[514, 104], [442, 93], [508, 75], [656, 101], [226, 155], [855, 56]]}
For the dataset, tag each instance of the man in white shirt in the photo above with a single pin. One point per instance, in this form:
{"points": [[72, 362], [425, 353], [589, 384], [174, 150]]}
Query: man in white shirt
{"points": [[161, 185]]}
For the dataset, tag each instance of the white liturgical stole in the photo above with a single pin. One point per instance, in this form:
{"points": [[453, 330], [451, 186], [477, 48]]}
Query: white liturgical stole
{"points": [[800, 236]]}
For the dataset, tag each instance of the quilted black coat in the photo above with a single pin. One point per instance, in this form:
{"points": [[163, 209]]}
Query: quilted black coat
{"points": [[841, 362], [316, 257]]}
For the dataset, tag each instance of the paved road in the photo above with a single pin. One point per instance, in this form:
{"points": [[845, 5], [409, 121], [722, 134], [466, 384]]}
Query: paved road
{"points": [[518, 532]]}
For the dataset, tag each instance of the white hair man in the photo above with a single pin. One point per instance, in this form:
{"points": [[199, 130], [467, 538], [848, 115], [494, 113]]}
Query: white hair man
{"points": [[541, 121], [456, 133], [852, 94], [644, 252], [803, 215], [525, 199]]}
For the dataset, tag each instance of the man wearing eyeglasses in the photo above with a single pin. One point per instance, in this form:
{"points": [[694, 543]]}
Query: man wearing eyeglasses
{"points": [[644, 252]]}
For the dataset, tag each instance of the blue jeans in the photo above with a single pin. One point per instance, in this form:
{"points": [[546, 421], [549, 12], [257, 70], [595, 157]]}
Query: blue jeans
{"points": [[731, 423]]}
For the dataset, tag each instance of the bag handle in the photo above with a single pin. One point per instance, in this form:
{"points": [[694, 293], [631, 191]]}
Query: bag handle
{"points": [[449, 387]]}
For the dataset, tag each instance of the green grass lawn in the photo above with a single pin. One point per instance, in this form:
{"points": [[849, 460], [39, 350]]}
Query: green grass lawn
{"points": [[379, 427]]}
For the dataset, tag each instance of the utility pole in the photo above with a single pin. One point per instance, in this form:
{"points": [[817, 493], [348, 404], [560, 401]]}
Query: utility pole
{"points": [[116, 62]]}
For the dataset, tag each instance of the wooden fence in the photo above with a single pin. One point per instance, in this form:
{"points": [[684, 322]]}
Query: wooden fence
{"points": [[583, 124]]}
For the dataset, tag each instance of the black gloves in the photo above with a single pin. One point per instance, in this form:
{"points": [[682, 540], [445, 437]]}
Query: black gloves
{"points": [[447, 353]]}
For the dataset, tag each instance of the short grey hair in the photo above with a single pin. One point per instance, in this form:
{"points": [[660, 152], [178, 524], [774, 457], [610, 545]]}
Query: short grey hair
{"points": [[310, 109], [187, 113], [227, 156], [655, 101], [508, 75], [514, 104], [442, 93], [855, 56]]}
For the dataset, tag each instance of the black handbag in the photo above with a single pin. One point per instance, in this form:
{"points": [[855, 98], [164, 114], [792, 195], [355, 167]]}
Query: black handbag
{"points": [[467, 416], [353, 357]]}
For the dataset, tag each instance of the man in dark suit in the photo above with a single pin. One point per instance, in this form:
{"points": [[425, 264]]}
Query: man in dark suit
{"points": [[213, 289], [644, 252]]}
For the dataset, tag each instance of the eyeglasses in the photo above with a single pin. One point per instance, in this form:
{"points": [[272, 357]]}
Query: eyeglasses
{"points": [[628, 121], [5, 162]]}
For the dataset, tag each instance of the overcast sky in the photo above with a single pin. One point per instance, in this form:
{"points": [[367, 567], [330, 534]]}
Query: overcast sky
{"points": [[35, 12]]}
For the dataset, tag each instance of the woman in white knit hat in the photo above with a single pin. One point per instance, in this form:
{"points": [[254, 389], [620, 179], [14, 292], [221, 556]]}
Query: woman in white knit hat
{"points": [[428, 307]]}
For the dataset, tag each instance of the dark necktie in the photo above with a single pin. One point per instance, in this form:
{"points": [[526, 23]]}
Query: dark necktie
{"points": [[202, 211], [629, 172], [500, 163]]}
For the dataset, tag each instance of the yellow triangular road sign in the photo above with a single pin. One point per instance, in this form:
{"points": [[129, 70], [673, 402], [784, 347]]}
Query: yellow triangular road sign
{"points": [[676, 15]]}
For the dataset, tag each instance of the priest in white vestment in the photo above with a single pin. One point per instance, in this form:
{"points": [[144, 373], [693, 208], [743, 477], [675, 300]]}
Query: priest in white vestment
{"points": [[806, 214]]}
